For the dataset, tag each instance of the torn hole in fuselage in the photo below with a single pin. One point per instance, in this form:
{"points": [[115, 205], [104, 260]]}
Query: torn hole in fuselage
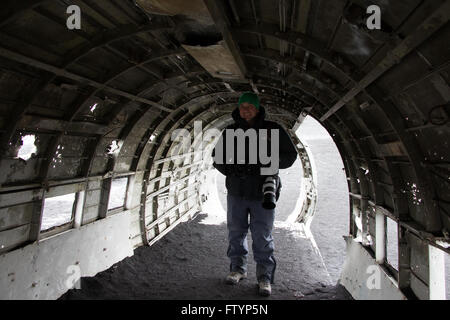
{"points": [[93, 107], [114, 147], [58, 156], [27, 148]]}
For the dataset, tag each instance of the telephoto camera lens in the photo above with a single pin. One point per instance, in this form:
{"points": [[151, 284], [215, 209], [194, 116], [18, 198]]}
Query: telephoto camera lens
{"points": [[269, 191]]}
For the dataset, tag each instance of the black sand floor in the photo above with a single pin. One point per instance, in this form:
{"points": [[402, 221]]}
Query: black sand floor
{"points": [[190, 263]]}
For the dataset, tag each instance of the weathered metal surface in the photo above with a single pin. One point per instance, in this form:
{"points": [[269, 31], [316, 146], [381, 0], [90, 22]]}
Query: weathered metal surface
{"points": [[439, 18], [217, 12], [15, 216], [194, 9], [61, 72], [364, 278], [40, 270], [216, 59]]}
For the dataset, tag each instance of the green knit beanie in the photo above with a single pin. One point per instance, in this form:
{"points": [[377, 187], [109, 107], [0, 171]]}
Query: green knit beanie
{"points": [[251, 98]]}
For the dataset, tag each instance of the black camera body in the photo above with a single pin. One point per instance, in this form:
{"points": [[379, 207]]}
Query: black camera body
{"points": [[270, 192]]}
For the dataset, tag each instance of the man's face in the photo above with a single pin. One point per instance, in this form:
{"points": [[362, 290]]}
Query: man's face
{"points": [[247, 111]]}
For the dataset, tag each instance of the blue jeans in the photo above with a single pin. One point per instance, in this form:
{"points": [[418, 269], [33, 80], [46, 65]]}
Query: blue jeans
{"points": [[261, 225]]}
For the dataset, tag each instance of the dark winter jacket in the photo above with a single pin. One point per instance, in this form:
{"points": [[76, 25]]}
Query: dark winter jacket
{"points": [[245, 180]]}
